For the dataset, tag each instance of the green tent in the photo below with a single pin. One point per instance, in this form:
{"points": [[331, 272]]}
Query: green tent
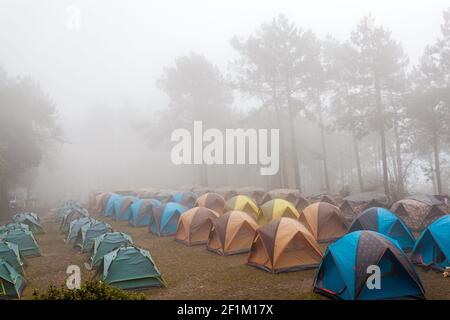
{"points": [[11, 282], [67, 208], [105, 244], [10, 253], [31, 220], [14, 225], [61, 213], [88, 233], [75, 227], [73, 215], [130, 268], [24, 239]]}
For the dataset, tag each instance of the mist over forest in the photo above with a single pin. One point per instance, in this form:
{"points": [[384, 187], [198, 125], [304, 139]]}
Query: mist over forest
{"points": [[360, 93]]}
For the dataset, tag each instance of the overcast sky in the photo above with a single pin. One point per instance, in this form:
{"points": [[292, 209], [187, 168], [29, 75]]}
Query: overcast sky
{"points": [[121, 46]]}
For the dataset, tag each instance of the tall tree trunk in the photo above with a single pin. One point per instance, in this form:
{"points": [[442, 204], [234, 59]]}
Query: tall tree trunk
{"points": [[382, 135], [293, 145], [432, 175], [324, 147], [358, 161], [282, 175], [437, 165], [399, 162]]}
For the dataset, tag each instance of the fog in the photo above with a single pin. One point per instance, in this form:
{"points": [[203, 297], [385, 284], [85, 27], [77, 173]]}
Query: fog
{"points": [[102, 76]]}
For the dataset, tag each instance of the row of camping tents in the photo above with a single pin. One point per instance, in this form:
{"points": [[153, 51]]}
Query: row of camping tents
{"points": [[417, 210], [113, 256], [279, 238], [17, 242]]}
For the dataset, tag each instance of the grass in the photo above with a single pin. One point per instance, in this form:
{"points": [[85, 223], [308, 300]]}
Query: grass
{"points": [[190, 272]]}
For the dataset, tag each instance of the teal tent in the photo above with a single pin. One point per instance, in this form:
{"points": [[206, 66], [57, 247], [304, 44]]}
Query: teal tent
{"points": [[11, 282], [74, 214], [24, 239], [10, 253], [88, 233], [68, 207], [31, 220], [130, 268], [13, 226], [106, 243], [75, 227]]}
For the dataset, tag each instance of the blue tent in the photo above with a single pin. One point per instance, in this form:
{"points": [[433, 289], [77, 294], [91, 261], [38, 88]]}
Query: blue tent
{"points": [[185, 198], [164, 219], [343, 272], [122, 208], [432, 248], [141, 212], [385, 222], [109, 208]]}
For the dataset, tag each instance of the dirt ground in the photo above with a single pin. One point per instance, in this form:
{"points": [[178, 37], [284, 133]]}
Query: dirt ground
{"points": [[190, 272]]}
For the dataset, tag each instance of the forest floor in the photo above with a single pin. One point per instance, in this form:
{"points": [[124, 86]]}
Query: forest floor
{"points": [[190, 272]]}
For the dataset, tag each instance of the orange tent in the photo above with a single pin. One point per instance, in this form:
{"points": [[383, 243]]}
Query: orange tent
{"points": [[284, 245], [194, 226], [232, 233], [213, 201], [325, 221]]}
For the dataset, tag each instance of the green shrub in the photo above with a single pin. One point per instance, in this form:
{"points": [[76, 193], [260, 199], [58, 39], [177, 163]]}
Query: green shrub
{"points": [[91, 290]]}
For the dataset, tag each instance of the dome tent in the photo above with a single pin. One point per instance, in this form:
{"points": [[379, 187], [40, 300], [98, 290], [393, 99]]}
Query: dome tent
{"points": [[292, 195], [254, 193], [31, 220], [71, 216], [13, 226], [164, 195], [24, 240], [385, 222], [417, 214], [194, 226], [185, 198], [100, 202], [22, 215], [75, 227], [67, 209], [10, 253], [129, 268], [164, 220], [122, 208], [141, 212], [232, 233], [325, 221], [11, 282], [432, 248], [110, 204], [106, 243], [284, 245], [88, 233], [343, 272], [243, 203], [213, 201], [277, 208]]}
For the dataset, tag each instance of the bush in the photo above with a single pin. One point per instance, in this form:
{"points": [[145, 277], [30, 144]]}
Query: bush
{"points": [[91, 290]]}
